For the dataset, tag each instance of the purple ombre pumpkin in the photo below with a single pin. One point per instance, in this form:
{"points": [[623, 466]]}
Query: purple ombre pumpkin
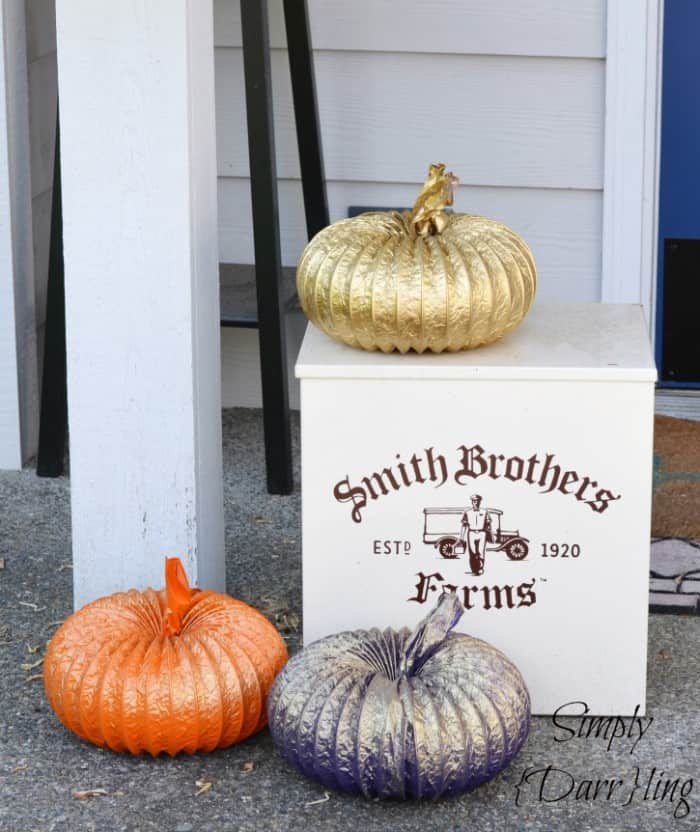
{"points": [[399, 714]]}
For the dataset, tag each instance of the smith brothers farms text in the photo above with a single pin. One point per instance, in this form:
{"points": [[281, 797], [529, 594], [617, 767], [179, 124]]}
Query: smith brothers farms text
{"points": [[539, 470]]}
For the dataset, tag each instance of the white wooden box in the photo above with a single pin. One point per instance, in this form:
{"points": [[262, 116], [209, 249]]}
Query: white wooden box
{"points": [[552, 428]]}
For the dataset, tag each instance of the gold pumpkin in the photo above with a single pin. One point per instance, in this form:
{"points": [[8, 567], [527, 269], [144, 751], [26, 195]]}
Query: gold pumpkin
{"points": [[418, 280]]}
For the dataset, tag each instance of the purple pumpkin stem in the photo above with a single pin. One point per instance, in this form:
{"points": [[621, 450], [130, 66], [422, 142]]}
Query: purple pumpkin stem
{"points": [[430, 633]]}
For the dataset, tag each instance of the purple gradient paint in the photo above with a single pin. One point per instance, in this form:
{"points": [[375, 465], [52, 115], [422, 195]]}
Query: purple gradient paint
{"points": [[399, 714]]}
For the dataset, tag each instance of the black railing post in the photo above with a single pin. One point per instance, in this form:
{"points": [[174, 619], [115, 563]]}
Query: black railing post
{"points": [[268, 263], [301, 67], [53, 420]]}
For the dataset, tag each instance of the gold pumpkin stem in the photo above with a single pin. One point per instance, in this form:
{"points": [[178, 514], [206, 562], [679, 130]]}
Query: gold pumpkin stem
{"points": [[427, 216]]}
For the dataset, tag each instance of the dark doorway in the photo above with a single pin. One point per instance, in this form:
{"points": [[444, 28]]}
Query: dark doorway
{"points": [[678, 298]]}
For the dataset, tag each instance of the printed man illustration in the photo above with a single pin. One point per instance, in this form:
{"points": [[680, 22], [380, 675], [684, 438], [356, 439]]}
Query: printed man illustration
{"points": [[476, 526]]}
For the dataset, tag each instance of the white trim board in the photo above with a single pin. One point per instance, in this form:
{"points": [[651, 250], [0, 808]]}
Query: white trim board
{"points": [[630, 196], [18, 361]]}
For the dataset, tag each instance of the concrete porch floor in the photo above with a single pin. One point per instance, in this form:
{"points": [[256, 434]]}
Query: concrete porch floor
{"points": [[42, 765]]}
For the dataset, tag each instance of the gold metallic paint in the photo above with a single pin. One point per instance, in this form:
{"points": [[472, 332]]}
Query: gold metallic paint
{"points": [[419, 280]]}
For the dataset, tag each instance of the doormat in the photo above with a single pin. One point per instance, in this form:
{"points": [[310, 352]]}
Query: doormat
{"points": [[674, 584]]}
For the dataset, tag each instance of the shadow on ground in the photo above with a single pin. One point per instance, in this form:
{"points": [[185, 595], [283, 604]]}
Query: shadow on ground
{"points": [[42, 766]]}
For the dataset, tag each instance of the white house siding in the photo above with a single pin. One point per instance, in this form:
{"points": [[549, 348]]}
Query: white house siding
{"points": [[41, 67], [508, 93]]}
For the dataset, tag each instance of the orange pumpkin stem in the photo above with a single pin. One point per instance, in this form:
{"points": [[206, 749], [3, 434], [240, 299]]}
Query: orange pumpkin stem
{"points": [[178, 596], [427, 216]]}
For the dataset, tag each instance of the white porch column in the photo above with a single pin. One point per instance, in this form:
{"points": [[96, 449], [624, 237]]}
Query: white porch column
{"points": [[18, 364], [136, 91]]}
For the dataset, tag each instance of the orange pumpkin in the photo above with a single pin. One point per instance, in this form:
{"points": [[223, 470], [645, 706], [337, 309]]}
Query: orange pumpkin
{"points": [[176, 670]]}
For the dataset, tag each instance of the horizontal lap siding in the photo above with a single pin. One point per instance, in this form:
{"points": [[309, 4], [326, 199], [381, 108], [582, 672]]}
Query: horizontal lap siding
{"points": [[509, 121], [572, 28], [508, 93], [562, 227]]}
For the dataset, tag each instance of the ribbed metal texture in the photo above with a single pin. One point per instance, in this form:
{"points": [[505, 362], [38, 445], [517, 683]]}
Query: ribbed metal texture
{"points": [[116, 679], [399, 714], [372, 282]]}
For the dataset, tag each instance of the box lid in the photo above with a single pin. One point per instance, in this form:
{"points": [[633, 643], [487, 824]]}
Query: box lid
{"points": [[592, 342]]}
